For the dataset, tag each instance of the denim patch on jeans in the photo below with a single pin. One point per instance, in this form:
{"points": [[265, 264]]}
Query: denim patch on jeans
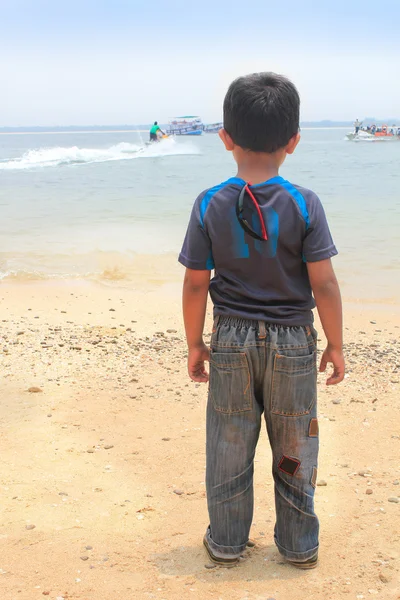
{"points": [[256, 369]]}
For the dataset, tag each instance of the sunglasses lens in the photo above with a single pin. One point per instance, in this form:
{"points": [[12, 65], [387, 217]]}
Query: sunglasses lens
{"points": [[243, 222]]}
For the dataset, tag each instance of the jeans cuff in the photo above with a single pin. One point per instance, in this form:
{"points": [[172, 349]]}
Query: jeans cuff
{"points": [[224, 551], [298, 556]]}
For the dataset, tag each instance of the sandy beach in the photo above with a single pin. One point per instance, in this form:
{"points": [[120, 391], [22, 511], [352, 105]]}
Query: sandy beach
{"points": [[102, 456]]}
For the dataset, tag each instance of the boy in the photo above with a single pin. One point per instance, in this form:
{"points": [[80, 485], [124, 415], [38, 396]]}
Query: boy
{"points": [[270, 246]]}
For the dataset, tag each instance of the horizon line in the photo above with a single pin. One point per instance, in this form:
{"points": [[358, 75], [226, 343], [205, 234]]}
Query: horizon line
{"points": [[137, 127]]}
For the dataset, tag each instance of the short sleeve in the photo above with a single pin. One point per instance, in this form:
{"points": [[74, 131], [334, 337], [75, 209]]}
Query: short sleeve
{"points": [[196, 251], [318, 243]]}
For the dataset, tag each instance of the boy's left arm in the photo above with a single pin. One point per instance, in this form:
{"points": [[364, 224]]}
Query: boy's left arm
{"points": [[195, 293], [318, 249]]}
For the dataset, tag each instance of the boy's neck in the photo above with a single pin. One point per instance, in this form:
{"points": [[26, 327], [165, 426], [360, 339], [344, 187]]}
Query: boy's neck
{"points": [[257, 167]]}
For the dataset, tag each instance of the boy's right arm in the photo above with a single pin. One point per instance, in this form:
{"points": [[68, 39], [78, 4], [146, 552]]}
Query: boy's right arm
{"points": [[196, 256], [329, 304], [194, 302]]}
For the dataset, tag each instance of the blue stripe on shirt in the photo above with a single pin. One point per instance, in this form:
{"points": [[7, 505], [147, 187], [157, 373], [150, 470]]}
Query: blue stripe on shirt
{"points": [[296, 195], [207, 199], [301, 203], [211, 193]]}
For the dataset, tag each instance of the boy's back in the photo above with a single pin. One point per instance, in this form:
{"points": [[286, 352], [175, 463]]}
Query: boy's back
{"points": [[256, 279], [270, 247]]}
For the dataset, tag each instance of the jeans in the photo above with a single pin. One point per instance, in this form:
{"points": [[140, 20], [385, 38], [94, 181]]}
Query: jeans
{"points": [[255, 369]]}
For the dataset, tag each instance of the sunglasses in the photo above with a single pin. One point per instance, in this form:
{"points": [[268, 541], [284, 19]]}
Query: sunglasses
{"points": [[243, 222]]}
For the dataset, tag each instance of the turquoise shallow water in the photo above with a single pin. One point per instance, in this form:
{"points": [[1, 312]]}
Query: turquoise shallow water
{"points": [[79, 204]]}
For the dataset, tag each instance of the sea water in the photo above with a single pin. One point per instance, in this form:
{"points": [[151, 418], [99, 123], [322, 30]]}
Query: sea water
{"points": [[92, 205]]}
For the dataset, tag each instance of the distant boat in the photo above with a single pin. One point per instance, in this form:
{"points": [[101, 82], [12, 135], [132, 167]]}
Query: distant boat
{"points": [[213, 127], [188, 125], [380, 133]]}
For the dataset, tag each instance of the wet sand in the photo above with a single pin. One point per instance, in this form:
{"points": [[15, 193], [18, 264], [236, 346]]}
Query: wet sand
{"points": [[102, 461]]}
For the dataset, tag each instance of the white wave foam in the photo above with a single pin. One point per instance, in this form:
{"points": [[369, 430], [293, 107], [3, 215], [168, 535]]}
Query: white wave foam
{"points": [[58, 156]]}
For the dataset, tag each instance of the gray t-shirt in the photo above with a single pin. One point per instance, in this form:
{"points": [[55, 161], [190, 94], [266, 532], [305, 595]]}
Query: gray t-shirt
{"points": [[262, 280]]}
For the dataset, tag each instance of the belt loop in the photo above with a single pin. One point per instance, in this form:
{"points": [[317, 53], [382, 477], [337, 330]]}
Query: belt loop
{"points": [[262, 333], [215, 325]]}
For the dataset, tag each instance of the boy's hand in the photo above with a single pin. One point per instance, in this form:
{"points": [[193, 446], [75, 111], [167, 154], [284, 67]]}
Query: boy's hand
{"points": [[196, 358], [335, 357]]}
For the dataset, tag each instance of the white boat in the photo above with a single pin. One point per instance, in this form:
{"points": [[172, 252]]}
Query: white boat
{"points": [[213, 127], [382, 133], [188, 125]]}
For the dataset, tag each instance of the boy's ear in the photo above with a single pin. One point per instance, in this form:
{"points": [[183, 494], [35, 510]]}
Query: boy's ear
{"points": [[226, 140], [292, 144]]}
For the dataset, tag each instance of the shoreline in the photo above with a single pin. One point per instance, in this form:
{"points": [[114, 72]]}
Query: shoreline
{"points": [[171, 285]]}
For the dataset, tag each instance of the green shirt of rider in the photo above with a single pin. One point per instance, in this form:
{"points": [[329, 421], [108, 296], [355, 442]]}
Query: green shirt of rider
{"points": [[155, 128]]}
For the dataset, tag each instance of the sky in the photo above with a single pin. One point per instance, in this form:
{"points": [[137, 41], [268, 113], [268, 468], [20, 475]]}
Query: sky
{"points": [[107, 62]]}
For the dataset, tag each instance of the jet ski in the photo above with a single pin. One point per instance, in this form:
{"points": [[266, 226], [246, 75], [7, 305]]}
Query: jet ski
{"points": [[159, 139]]}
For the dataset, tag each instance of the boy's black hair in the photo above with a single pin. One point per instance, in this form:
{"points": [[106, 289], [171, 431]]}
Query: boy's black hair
{"points": [[262, 112]]}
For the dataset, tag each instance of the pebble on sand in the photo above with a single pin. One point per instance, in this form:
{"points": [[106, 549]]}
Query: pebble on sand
{"points": [[29, 527], [179, 492], [394, 499], [369, 491], [322, 483], [34, 390], [364, 473]]}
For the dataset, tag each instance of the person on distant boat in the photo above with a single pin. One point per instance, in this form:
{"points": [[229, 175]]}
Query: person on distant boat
{"points": [[357, 125], [155, 132]]}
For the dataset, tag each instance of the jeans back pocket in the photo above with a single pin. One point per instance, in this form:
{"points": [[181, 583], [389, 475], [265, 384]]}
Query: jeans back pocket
{"points": [[294, 384], [230, 388]]}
